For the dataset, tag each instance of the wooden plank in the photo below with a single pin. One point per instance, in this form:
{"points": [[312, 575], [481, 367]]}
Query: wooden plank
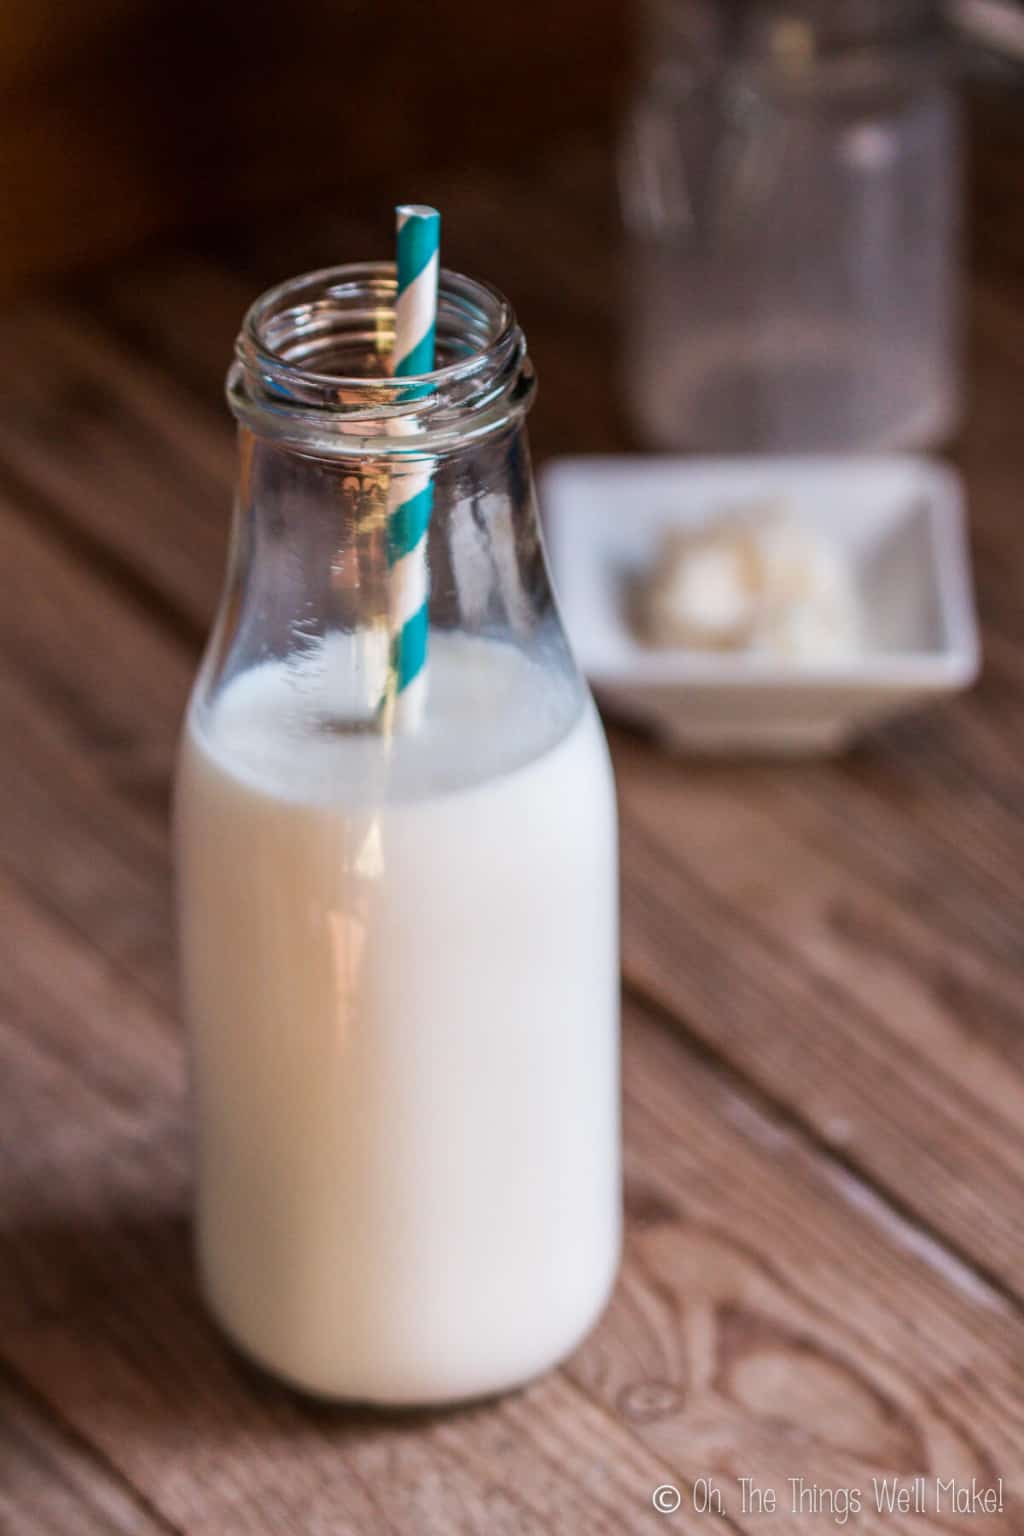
{"points": [[50, 1485], [891, 1032], [90, 696], [774, 1317], [144, 316], [119, 453], [806, 1332]]}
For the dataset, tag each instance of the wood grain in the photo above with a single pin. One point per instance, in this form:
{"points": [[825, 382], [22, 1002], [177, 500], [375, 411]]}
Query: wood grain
{"points": [[842, 997], [85, 765], [50, 1485], [109, 443], [772, 1310]]}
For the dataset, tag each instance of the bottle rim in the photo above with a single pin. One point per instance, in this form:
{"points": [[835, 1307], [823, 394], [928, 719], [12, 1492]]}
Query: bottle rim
{"points": [[311, 358]]}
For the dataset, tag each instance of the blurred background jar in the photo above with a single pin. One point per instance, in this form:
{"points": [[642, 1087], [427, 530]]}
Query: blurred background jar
{"points": [[791, 186]]}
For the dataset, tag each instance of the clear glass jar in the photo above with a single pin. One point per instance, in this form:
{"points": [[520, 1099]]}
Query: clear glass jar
{"points": [[399, 946], [790, 176]]}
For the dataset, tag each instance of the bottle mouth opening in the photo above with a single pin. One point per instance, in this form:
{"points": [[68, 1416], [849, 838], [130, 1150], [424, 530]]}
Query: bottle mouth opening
{"points": [[313, 360]]}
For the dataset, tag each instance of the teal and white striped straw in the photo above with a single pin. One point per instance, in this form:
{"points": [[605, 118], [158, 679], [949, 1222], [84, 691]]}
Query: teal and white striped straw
{"points": [[411, 497]]}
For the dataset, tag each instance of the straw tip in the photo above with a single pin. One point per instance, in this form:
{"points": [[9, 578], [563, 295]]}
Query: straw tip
{"points": [[404, 211]]}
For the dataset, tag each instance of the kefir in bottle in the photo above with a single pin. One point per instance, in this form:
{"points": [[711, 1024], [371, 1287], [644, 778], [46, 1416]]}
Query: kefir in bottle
{"points": [[399, 941]]}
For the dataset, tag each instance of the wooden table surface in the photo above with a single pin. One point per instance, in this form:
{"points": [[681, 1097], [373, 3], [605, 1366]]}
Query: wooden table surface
{"points": [[824, 1051]]}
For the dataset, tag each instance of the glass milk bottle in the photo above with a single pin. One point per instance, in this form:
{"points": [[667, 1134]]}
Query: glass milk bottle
{"points": [[399, 941]]}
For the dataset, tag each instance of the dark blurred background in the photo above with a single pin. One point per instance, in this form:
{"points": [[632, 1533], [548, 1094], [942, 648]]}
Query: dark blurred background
{"points": [[120, 119], [123, 118]]}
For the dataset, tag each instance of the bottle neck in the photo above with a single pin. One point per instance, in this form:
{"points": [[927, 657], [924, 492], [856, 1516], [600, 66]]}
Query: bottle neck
{"points": [[311, 550], [322, 572], [312, 369]]}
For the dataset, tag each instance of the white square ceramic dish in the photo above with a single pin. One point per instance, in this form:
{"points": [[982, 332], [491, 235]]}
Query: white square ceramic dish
{"points": [[899, 521]]}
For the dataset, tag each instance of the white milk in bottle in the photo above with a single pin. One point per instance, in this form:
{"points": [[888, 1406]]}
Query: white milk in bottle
{"points": [[399, 947], [404, 1016]]}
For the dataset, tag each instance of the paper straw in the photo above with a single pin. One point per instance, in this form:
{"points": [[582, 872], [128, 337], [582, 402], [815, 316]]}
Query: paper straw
{"points": [[411, 495]]}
